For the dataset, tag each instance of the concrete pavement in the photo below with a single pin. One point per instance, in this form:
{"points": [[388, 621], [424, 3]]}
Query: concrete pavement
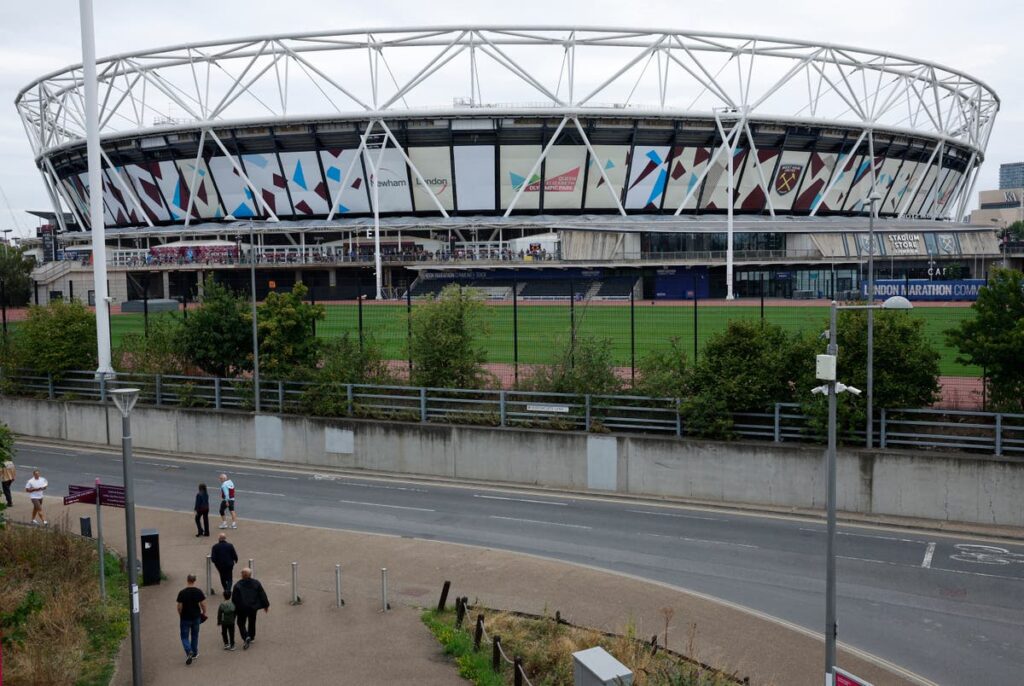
{"points": [[317, 643]]}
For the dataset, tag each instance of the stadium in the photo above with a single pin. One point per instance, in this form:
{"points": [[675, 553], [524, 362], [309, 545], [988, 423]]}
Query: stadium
{"points": [[375, 162]]}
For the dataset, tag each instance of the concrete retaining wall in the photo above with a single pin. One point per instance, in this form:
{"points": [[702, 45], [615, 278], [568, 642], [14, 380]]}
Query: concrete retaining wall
{"points": [[943, 486]]}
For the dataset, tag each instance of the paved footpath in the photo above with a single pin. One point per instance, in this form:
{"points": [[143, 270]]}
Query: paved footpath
{"points": [[316, 643]]}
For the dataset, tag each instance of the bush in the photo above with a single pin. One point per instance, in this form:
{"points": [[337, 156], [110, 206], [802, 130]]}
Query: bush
{"points": [[55, 338], [582, 366], [665, 373], [906, 368], [217, 337], [344, 362], [159, 353], [994, 338], [286, 325], [16, 274], [445, 346]]}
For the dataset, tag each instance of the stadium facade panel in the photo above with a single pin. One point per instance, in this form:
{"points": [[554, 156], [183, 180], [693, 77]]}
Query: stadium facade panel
{"points": [[545, 121]]}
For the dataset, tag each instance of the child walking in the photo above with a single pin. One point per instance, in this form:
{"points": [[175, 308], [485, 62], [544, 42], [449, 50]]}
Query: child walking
{"points": [[226, 621]]}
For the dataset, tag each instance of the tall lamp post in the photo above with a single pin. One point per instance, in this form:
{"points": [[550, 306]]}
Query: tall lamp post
{"points": [[873, 199], [826, 371], [255, 337], [3, 284], [125, 399]]}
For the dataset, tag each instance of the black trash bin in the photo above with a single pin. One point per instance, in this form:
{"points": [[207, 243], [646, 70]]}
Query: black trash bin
{"points": [[150, 557]]}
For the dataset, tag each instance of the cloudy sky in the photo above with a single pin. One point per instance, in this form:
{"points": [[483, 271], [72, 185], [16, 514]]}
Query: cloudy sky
{"points": [[981, 38]]}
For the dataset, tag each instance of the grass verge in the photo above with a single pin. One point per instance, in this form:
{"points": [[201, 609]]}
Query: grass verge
{"points": [[56, 629], [546, 647]]}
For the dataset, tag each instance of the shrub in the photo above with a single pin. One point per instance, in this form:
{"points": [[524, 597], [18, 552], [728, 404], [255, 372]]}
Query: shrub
{"points": [[217, 337], [344, 362], [55, 338], [445, 345], [159, 353], [665, 373], [286, 338], [582, 365]]}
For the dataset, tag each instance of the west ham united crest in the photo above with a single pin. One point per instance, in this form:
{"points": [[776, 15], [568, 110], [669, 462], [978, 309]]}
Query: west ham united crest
{"points": [[786, 180]]}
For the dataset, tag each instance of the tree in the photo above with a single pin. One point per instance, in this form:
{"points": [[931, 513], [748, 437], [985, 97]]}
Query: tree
{"points": [[161, 352], [55, 338], [16, 274], [994, 338], [217, 337], [286, 334], [665, 373], [583, 366], [906, 368], [1014, 232], [445, 346]]}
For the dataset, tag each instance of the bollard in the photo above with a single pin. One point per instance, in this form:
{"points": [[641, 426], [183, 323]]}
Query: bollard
{"points": [[478, 632], [252, 568], [496, 655], [444, 596], [296, 600], [337, 586], [384, 605], [86, 526], [460, 612], [209, 575], [517, 668]]}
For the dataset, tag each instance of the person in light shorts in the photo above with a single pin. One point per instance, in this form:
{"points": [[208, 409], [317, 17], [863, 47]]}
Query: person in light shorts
{"points": [[227, 502], [36, 489]]}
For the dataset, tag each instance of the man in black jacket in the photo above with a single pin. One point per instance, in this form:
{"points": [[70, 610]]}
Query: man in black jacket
{"points": [[248, 597], [224, 557]]}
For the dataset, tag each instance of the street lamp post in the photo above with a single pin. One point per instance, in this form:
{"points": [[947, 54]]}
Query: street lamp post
{"points": [[255, 337], [826, 371], [125, 399], [873, 198]]}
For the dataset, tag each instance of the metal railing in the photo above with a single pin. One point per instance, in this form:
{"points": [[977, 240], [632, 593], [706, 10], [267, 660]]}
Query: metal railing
{"points": [[928, 429]]}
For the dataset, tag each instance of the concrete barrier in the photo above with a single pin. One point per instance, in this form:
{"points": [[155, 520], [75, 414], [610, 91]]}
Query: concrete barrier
{"points": [[941, 486]]}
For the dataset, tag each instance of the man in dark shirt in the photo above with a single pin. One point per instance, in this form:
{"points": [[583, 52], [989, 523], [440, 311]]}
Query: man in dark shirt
{"points": [[191, 609], [224, 557], [248, 597]]}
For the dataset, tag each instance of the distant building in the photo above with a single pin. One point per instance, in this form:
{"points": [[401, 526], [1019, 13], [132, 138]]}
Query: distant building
{"points": [[1011, 176], [999, 208]]}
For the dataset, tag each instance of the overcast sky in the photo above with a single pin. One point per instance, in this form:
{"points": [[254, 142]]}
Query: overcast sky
{"points": [[981, 38]]}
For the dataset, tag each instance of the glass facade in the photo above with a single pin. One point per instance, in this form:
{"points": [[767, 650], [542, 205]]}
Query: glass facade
{"points": [[678, 244]]}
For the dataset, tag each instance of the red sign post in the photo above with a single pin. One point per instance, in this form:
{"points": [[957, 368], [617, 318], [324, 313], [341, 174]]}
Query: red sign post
{"points": [[100, 494], [844, 678]]}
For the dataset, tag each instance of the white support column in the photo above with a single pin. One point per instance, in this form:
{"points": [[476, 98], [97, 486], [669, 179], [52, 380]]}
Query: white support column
{"points": [[375, 199], [348, 173], [125, 188], [257, 196], [195, 175], [920, 180], [760, 171], [734, 133], [536, 166], [419, 177], [600, 167], [99, 244], [836, 171]]}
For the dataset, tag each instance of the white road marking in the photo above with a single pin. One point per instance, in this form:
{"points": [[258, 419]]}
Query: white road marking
{"points": [[699, 540], [163, 465], [881, 538], [279, 495], [266, 476], [538, 521], [30, 466], [680, 516], [385, 488], [393, 507], [934, 569], [927, 562], [519, 500]]}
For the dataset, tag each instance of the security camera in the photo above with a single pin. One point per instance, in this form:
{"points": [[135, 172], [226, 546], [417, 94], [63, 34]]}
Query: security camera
{"points": [[843, 388], [820, 390], [825, 335], [851, 389]]}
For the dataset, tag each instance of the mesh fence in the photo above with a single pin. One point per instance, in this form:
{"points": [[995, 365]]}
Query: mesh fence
{"points": [[523, 332]]}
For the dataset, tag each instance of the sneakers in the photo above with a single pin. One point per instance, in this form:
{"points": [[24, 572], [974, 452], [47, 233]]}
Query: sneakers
{"points": [[195, 656], [247, 643], [230, 647], [223, 525], [234, 525], [188, 660], [46, 523], [226, 646]]}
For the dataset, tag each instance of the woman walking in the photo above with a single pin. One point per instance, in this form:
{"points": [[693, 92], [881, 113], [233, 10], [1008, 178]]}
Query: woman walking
{"points": [[202, 508]]}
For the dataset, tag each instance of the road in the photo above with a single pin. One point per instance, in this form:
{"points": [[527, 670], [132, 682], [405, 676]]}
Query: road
{"points": [[948, 608]]}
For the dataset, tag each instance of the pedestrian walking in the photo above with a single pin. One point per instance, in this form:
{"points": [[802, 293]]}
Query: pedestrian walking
{"points": [[36, 488], [224, 557], [227, 502], [249, 598], [226, 621], [191, 613], [202, 509], [7, 476]]}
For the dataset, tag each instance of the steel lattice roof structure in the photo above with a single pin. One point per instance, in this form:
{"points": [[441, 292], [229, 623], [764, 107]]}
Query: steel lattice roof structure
{"points": [[651, 121]]}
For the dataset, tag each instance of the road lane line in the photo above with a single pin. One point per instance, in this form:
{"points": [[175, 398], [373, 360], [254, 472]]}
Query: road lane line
{"points": [[393, 507], [881, 538], [162, 465], [247, 492], [927, 562], [679, 516], [519, 500], [265, 476], [538, 521], [385, 488], [700, 540]]}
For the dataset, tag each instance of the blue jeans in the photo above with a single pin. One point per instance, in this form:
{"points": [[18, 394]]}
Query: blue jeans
{"points": [[190, 636]]}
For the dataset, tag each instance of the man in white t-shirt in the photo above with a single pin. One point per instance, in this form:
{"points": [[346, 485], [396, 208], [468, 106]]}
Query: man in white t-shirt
{"points": [[36, 488], [227, 502]]}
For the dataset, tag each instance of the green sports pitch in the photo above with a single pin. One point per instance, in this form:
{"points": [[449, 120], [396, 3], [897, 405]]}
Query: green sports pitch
{"points": [[541, 328]]}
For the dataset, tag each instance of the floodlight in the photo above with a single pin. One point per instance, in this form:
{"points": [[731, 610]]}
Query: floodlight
{"points": [[125, 399]]}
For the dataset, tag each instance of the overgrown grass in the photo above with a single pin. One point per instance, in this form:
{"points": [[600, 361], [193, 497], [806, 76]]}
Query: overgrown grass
{"points": [[59, 631], [546, 647]]}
